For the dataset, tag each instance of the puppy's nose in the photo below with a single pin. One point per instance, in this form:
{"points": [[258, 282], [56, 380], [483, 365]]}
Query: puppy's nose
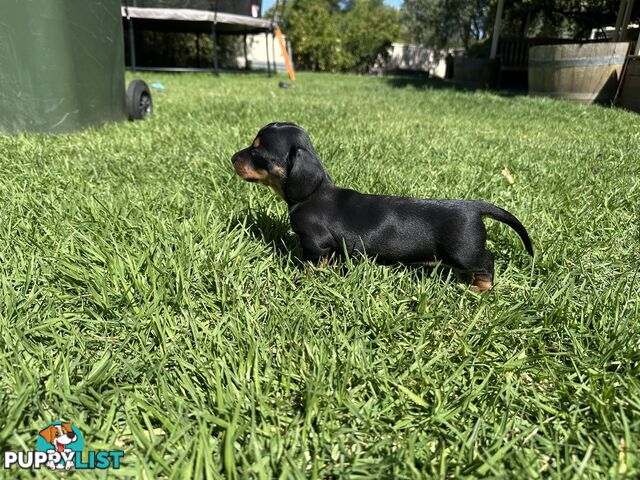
{"points": [[71, 434], [234, 159]]}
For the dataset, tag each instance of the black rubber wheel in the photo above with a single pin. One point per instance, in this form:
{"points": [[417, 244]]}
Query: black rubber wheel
{"points": [[139, 104]]}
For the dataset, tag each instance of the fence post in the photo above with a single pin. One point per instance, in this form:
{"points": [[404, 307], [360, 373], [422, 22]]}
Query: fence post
{"points": [[266, 41], [496, 30]]}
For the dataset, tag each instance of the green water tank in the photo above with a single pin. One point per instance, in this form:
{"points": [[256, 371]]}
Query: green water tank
{"points": [[61, 65]]}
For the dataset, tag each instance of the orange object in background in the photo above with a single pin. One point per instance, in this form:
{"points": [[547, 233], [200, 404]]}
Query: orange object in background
{"points": [[285, 54]]}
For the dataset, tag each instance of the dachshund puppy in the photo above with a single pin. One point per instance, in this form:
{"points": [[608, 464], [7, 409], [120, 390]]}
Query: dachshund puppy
{"points": [[329, 219]]}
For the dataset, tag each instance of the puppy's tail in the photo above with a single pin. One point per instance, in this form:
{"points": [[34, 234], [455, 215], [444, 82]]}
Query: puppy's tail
{"points": [[497, 213]]}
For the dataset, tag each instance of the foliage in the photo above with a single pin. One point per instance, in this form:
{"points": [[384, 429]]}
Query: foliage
{"points": [[170, 49], [560, 18], [312, 29], [578, 16], [339, 36], [446, 23], [367, 28], [460, 23], [154, 299]]}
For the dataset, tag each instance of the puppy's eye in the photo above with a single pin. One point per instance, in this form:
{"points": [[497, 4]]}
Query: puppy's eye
{"points": [[57, 434]]}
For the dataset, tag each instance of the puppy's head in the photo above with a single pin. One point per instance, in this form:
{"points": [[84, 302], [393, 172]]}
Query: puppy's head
{"points": [[61, 434], [282, 157]]}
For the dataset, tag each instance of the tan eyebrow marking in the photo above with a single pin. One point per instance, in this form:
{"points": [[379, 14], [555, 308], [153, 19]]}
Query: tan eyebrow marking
{"points": [[256, 142]]}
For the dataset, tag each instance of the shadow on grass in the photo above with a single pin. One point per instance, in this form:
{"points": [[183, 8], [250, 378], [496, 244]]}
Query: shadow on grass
{"points": [[420, 83], [275, 232], [434, 83]]}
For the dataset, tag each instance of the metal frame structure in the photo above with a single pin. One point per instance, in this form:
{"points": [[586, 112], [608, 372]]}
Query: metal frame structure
{"points": [[212, 22]]}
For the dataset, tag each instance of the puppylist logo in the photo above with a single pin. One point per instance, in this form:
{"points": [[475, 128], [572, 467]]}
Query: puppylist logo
{"points": [[60, 446]]}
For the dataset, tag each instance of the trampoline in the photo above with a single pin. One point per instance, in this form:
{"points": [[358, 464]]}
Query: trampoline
{"points": [[214, 17]]}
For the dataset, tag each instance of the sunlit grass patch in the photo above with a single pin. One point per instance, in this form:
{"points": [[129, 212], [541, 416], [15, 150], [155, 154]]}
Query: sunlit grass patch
{"points": [[155, 299]]}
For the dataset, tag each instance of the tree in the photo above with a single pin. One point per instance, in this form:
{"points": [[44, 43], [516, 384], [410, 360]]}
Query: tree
{"points": [[581, 16], [460, 23], [367, 29], [332, 35], [311, 28], [446, 23]]}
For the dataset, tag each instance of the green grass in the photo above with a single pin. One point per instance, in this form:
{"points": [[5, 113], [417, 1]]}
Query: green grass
{"points": [[154, 299]]}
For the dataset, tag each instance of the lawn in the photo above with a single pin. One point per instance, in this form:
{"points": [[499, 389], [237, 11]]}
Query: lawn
{"points": [[156, 301]]}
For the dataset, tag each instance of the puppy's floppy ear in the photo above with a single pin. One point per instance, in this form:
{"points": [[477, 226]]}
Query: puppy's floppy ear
{"points": [[305, 174], [48, 433]]}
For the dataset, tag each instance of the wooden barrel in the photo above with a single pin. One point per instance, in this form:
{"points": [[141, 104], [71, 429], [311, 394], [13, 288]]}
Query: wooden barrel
{"points": [[630, 93], [585, 73], [474, 72]]}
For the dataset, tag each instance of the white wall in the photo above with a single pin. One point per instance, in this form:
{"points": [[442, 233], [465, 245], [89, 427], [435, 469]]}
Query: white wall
{"points": [[404, 56], [257, 53], [401, 56]]}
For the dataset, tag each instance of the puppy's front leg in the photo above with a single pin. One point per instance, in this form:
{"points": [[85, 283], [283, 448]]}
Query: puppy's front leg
{"points": [[316, 249], [316, 258]]}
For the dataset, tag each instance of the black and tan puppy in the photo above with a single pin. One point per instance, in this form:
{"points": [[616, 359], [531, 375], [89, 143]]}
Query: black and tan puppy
{"points": [[329, 219]]}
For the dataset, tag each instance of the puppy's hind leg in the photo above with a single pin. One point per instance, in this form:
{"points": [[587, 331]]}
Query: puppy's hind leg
{"points": [[482, 278], [479, 272]]}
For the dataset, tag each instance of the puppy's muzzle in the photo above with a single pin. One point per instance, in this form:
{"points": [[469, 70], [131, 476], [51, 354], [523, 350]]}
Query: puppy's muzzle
{"points": [[243, 169]]}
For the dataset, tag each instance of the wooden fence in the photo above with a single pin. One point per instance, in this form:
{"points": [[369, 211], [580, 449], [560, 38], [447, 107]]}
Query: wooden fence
{"points": [[629, 96]]}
